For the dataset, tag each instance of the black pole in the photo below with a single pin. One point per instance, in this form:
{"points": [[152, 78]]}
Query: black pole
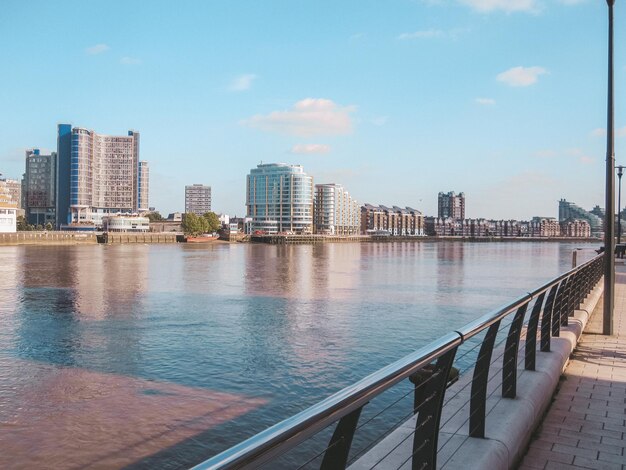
{"points": [[609, 215], [620, 172]]}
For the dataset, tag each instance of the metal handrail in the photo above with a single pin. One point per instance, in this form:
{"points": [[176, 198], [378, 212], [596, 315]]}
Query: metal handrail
{"points": [[345, 405], [485, 321], [294, 430]]}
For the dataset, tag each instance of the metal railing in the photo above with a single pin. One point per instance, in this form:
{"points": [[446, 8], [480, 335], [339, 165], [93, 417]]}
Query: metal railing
{"points": [[429, 369]]}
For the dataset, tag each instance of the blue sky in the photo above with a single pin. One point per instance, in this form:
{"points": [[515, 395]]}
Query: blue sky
{"points": [[396, 100]]}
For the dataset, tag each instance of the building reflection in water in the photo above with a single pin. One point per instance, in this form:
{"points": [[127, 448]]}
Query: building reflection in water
{"points": [[71, 392], [298, 317]]}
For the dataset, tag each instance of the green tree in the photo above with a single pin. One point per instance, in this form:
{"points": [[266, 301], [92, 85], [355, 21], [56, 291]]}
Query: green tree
{"points": [[213, 221], [154, 216], [49, 226], [22, 226], [194, 225]]}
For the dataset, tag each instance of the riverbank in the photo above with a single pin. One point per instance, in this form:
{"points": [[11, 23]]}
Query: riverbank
{"points": [[140, 237], [65, 238], [48, 238], [316, 239]]}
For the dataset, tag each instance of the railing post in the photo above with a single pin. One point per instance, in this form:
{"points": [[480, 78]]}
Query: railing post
{"points": [[509, 363], [478, 405], [567, 301], [556, 309], [336, 456], [531, 334], [429, 414], [546, 319]]}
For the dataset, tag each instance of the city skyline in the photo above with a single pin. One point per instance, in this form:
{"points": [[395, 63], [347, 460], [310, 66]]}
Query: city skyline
{"points": [[505, 98]]}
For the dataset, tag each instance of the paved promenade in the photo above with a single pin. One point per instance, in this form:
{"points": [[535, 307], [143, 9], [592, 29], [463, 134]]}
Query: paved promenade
{"points": [[585, 427]]}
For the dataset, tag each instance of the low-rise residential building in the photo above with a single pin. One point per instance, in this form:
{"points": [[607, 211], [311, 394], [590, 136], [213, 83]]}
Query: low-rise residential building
{"points": [[575, 228], [8, 210], [544, 227], [14, 188], [394, 221], [483, 228], [446, 227]]}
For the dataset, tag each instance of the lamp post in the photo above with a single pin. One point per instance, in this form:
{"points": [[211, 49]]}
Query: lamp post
{"points": [[609, 218], [620, 172]]}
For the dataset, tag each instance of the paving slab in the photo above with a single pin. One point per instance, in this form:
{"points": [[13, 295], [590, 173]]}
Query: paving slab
{"points": [[586, 420]]}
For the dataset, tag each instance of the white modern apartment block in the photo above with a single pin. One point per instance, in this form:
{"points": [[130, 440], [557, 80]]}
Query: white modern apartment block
{"points": [[336, 213], [98, 175], [8, 209], [197, 199], [125, 223], [279, 199], [144, 187]]}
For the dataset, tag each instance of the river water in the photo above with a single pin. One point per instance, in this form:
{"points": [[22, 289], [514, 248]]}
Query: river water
{"points": [[145, 356]]}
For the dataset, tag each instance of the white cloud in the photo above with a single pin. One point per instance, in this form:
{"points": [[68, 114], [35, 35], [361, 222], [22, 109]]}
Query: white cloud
{"points": [[485, 101], [130, 61], [310, 148], [508, 6], [97, 49], [311, 116], [357, 36], [426, 34], [572, 2], [521, 76], [242, 82], [586, 160]]}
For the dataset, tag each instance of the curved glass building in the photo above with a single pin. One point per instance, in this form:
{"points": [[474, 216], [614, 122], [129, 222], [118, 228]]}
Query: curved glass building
{"points": [[279, 199], [570, 211]]}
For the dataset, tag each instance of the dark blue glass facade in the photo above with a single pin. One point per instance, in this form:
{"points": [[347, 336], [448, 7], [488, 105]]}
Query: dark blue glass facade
{"points": [[64, 150]]}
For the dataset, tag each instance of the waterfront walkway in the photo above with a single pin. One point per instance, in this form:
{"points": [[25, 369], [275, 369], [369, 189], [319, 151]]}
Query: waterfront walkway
{"points": [[585, 427]]}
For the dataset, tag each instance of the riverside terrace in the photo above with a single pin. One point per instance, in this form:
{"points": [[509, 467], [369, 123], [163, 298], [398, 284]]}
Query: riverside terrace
{"points": [[509, 361]]}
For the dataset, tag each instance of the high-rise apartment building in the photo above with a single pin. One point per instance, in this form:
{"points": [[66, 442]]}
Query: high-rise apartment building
{"points": [[279, 198], [40, 187], [451, 205], [197, 199], [335, 211], [143, 187], [98, 175]]}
